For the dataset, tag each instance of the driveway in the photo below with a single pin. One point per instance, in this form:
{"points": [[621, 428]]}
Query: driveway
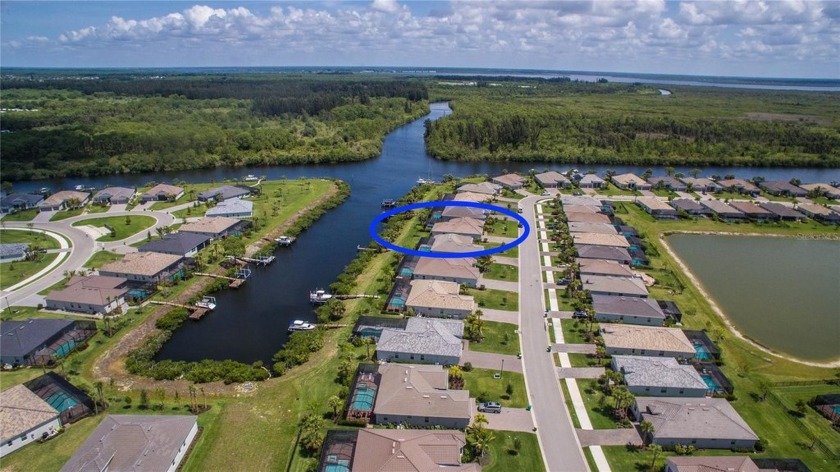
{"points": [[499, 284], [563, 315], [43, 217], [489, 360], [609, 437], [580, 372], [510, 419], [574, 348], [117, 208]]}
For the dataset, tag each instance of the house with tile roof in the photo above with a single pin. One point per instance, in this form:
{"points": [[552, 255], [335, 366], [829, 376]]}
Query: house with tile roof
{"points": [[177, 244], [587, 217], [424, 341], [668, 183], [135, 443], [782, 189], [723, 210], [603, 267], [486, 188], [30, 342], [145, 267], [818, 212], [510, 181], [468, 227], [452, 212], [163, 193], [617, 254], [783, 212], [225, 192], [615, 286], [461, 270], [656, 207], [24, 418], [828, 190], [629, 310], [448, 242], [659, 377], [419, 395], [472, 197], [713, 464], [439, 298], [232, 208], [753, 211], [215, 227], [64, 199], [646, 341], [692, 207], [592, 239], [552, 179], [630, 181], [92, 295], [740, 186], [114, 195], [701, 184], [592, 181], [19, 202], [11, 252], [706, 423], [599, 228]]}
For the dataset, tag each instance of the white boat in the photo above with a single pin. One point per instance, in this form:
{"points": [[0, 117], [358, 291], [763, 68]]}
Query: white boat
{"points": [[251, 178], [79, 187], [319, 296], [300, 325], [422, 181], [284, 240], [207, 302]]}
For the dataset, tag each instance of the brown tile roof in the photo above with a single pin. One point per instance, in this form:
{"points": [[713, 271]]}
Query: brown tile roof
{"points": [[214, 225], [464, 212], [488, 188], [610, 284], [92, 290], [689, 418], [469, 226], [812, 209], [510, 179], [585, 227], [629, 178], [647, 338], [713, 464], [654, 204], [604, 267], [591, 239], [163, 189], [395, 450], [141, 263], [59, 197], [438, 294], [750, 209], [738, 183], [21, 410], [472, 197], [454, 243], [461, 267], [419, 391], [586, 217], [551, 177]]}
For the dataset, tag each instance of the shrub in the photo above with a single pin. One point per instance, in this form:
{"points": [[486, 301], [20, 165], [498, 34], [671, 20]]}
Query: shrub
{"points": [[467, 367]]}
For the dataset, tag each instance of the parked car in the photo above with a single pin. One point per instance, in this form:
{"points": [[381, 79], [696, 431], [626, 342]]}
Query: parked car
{"points": [[546, 194], [579, 315], [490, 407], [563, 281]]}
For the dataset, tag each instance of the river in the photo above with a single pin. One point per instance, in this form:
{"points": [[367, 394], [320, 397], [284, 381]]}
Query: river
{"points": [[250, 323]]}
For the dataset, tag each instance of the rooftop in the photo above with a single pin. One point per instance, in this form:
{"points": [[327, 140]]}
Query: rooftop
{"points": [[454, 243], [586, 217], [438, 294], [225, 192], [460, 226], [609, 284], [231, 206], [20, 338], [164, 189], [13, 249], [60, 197], [706, 418], [627, 306], [781, 210], [551, 178], [828, 188], [627, 179], [686, 204], [141, 263], [463, 212], [591, 179], [214, 225], [700, 182], [749, 208], [647, 338], [510, 179], [419, 390], [586, 227], [91, 290], [602, 252], [401, 450], [29, 198], [644, 371], [738, 183], [471, 197], [487, 188], [782, 186], [583, 200], [592, 239], [429, 336], [720, 208], [20, 411], [604, 267], [111, 192], [461, 267], [654, 203], [177, 243], [816, 209], [713, 464]]}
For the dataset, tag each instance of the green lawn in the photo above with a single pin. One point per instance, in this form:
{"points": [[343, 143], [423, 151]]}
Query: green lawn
{"points": [[612, 190], [162, 205], [123, 226], [13, 272], [101, 258], [512, 252], [481, 382], [504, 272], [503, 228], [64, 214], [97, 208], [598, 405], [25, 215], [813, 419], [8, 236], [504, 458], [574, 330], [495, 299], [500, 338], [190, 211]]}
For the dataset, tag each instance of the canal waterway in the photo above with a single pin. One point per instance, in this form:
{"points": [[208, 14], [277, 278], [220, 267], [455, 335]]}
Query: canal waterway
{"points": [[250, 323], [783, 293]]}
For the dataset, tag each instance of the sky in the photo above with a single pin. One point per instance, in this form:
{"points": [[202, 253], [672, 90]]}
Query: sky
{"points": [[777, 38]]}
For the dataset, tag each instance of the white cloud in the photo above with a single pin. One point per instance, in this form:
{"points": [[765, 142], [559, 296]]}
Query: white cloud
{"points": [[388, 6]]}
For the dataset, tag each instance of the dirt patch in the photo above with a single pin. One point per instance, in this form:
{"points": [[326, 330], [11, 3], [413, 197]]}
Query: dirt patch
{"points": [[111, 365], [760, 116]]}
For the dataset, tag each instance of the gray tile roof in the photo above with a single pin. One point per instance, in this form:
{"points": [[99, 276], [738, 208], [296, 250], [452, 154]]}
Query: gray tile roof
{"points": [[132, 443], [627, 306], [602, 252], [20, 338], [721, 208], [603, 267], [713, 464], [30, 199], [175, 243], [13, 249], [781, 210], [112, 193], [582, 200], [688, 205], [225, 192], [551, 178], [751, 209], [586, 217], [231, 207], [643, 371], [780, 186], [586, 227], [706, 418], [428, 336], [591, 179], [608, 284]]}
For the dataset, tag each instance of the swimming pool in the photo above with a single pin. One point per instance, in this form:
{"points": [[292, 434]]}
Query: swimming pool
{"points": [[711, 382], [398, 301], [61, 401], [363, 398], [837, 409], [406, 272], [701, 352], [338, 466], [65, 348]]}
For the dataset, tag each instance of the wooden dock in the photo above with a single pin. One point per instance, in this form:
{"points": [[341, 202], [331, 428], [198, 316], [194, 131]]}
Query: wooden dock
{"points": [[196, 313], [260, 261], [350, 297], [234, 281]]}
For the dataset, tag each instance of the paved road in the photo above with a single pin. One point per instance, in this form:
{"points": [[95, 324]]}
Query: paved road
{"points": [[559, 443]]}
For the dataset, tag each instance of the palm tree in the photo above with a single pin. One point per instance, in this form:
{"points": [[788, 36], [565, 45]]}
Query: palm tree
{"points": [[655, 449], [204, 396], [600, 353], [647, 430], [98, 384], [335, 403], [622, 398]]}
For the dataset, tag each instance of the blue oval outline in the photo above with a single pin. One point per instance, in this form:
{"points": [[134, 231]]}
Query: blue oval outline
{"points": [[449, 255]]}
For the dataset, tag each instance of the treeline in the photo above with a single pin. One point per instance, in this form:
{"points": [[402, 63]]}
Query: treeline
{"points": [[561, 130], [73, 133]]}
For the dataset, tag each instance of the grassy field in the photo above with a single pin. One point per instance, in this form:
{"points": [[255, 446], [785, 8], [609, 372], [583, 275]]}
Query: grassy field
{"points": [[101, 258], [25, 215], [573, 331], [512, 252], [123, 226], [64, 214], [190, 211], [500, 338], [97, 208], [8, 236], [597, 404], [503, 228], [495, 299], [504, 458], [481, 383], [12, 273], [505, 272]]}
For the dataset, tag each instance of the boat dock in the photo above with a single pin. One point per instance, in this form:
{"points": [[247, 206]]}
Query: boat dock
{"points": [[235, 282], [260, 261], [350, 297], [196, 313]]}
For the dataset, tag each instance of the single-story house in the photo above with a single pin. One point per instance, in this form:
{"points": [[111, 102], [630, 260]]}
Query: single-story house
{"points": [[587, 217], [426, 340], [782, 188], [472, 197], [177, 244], [617, 254], [215, 227], [452, 212], [11, 252], [552, 179], [419, 395], [592, 181], [705, 423], [818, 212], [603, 267], [114, 195], [163, 192], [233, 208], [224, 192], [510, 181], [656, 207], [469, 227], [713, 464], [64, 199], [723, 210], [461, 270], [668, 183], [646, 341], [597, 228], [19, 201], [659, 377], [23, 341], [454, 243], [783, 212], [395, 449], [691, 207], [24, 418], [828, 190], [630, 181], [753, 211], [701, 184], [485, 188], [146, 267], [592, 239], [615, 286], [439, 298], [93, 294], [739, 185], [136, 442], [629, 310]]}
